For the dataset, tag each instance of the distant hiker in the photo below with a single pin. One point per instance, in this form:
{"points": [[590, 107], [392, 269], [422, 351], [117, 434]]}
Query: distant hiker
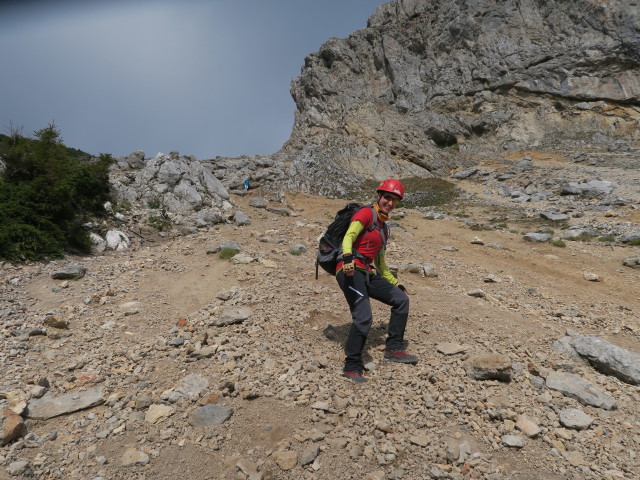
{"points": [[246, 185], [363, 248]]}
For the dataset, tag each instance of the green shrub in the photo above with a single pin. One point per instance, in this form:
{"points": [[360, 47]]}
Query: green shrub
{"points": [[634, 243], [499, 222], [226, 253], [558, 243], [46, 193], [480, 227], [124, 206], [452, 148], [159, 223], [20, 241]]}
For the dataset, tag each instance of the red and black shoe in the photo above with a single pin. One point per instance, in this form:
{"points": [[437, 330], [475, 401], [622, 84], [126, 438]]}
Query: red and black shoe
{"points": [[354, 376], [399, 356]]}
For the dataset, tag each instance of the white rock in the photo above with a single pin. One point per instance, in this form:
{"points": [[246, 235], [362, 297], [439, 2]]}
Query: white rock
{"points": [[575, 418], [514, 441], [117, 240], [98, 243], [158, 412], [133, 457], [527, 426]]}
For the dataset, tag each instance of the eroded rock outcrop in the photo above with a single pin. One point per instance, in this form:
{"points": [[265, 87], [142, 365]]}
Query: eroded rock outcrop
{"points": [[182, 190], [181, 184], [428, 83]]}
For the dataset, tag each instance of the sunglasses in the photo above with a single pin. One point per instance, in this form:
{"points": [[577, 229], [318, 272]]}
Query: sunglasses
{"points": [[390, 198]]}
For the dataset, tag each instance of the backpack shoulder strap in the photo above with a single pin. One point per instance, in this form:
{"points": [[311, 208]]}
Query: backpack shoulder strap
{"points": [[373, 218], [384, 228]]}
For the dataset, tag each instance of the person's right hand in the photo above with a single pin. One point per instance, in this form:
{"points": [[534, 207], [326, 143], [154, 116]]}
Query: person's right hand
{"points": [[348, 266]]}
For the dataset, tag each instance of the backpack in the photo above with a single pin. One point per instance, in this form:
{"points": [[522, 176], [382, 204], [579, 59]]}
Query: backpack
{"points": [[330, 242]]}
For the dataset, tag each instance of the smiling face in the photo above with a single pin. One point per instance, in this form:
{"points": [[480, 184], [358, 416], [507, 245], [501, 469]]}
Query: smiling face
{"points": [[387, 202]]}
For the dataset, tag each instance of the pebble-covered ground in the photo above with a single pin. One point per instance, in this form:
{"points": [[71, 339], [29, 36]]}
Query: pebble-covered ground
{"points": [[168, 361]]}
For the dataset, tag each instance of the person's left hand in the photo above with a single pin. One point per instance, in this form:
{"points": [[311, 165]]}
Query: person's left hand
{"points": [[403, 288]]}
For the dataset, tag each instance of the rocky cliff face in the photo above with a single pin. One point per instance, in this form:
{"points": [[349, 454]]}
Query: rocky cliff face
{"points": [[431, 83]]}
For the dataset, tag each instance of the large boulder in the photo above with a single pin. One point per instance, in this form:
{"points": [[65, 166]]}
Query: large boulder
{"points": [[609, 358]]}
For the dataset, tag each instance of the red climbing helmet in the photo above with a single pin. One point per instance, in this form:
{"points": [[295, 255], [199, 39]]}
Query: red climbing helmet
{"points": [[391, 185]]}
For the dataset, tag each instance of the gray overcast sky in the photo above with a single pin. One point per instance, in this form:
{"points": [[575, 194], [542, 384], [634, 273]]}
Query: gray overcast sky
{"points": [[201, 77]]}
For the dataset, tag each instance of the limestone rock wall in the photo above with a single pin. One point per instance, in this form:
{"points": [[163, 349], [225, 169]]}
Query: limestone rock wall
{"points": [[186, 191], [430, 83], [181, 184]]}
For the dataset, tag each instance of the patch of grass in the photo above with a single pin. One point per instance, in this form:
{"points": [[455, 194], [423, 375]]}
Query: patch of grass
{"points": [[124, 206], [480, 226], [460, 214], [584, 237], [452, 148], [499, 221], [607, 238], [419, 192], [634, 243], [558, 243], [154, 204], [546, 230], [428, 192], [226, 253], [540, 222], [159, 223], [296, 253], [562, 224]]}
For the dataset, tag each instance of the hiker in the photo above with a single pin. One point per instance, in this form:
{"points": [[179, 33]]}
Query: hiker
{"points": [[246, 185], [363, 248]]}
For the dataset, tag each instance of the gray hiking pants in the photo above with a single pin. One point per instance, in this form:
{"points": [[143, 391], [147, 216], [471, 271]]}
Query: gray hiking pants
{"points": [[358, 290]]}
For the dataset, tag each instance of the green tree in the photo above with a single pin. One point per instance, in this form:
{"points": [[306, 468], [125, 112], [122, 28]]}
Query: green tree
{"points": [[46, 194]]}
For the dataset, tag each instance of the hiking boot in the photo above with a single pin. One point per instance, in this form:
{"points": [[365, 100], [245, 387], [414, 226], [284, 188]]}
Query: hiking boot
{"points": [[399, 357], [354, 376]]}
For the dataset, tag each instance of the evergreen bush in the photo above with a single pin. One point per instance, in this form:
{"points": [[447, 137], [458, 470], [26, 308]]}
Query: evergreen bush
{"points": [[46, 192]]}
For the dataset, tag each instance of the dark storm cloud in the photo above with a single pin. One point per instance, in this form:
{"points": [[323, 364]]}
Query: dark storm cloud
{"points": [[204, 78]]}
